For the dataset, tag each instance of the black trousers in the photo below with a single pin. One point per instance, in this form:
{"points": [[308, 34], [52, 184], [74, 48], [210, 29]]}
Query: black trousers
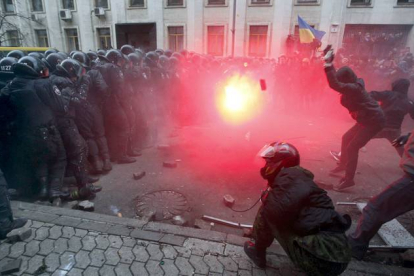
{"points": [[393, 201], [391, 135], [352, 141], [5, 209]]}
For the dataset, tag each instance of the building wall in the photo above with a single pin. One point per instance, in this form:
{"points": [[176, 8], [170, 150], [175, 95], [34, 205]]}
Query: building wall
{"points": [[281, 17]]}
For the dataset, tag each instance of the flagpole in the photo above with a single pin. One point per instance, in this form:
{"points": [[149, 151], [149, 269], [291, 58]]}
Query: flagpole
{"points": [[234, 29]]}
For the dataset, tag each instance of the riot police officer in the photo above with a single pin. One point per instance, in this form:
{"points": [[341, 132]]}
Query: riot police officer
{"points": [[6, 72]]}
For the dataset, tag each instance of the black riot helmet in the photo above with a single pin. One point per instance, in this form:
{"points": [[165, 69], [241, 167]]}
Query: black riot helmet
{"points": [[72, 68], [278, 155], [115, 57], [64, 55], [127, 49], [53, 60], [16, 54], [164, 62], [6, 64], [151, 59], [135, 59], [82, 58], [92, 55], [159, 52], [36, 55], [168, 53], [30, 66], [50, 51], [101, 52]]}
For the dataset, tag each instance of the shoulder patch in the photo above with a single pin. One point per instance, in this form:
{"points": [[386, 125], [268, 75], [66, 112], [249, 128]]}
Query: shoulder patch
{"points": [[56, 90]]}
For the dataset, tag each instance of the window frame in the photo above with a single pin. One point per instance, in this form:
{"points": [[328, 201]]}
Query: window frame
{"points": [[167, 40], [166, 6], [19, 44], [225, 37], [33, 11], [403, 5], [106, 9], [317, 3], [268, 38], [135, 7], [37, 37], [98, 41], [3, 7], [207, 5], [74, 6], [67, 38], [252, 4]]}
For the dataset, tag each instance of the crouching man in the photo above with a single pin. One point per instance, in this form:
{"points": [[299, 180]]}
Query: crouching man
{"points": [[300, 215]]}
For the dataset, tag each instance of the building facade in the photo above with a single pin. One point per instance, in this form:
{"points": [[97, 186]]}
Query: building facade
{"points": [[204, 26]]}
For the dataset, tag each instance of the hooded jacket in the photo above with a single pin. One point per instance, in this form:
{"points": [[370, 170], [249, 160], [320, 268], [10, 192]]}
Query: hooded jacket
{"points": [[395, 103], [362, 107], [298, 204]]}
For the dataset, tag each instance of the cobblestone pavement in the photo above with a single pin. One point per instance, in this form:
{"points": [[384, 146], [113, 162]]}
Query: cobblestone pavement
{"points": [[69, 242]]}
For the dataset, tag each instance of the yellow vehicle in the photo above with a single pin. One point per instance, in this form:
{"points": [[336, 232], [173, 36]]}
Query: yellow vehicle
{"points": [[5, 50]]}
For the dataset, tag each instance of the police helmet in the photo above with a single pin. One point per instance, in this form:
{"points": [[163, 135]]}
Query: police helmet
{"points": [[71, 67], [6, 64], [82, 58], [127, 49], [50, 51], [168, 53], [36, 55], [54, 59], [92, 55], [101, 52], [30, 66], [16, 54], [135, 59], [64, 55], [164, 61], [159, 52], [115, 57]]}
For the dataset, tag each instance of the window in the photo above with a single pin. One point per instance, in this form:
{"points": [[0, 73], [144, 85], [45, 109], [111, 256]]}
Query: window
{"points": [[13, 38], [136, 3], [37, 5], [405, 2], [175, 3], [72, 39], [307, 1], [101, 4], [42, 40], [68, 4], [361, 2], [104, 36], [8, 6], [215, 40], [176, 38], [216, 2], [260, 2], [258, 41]]}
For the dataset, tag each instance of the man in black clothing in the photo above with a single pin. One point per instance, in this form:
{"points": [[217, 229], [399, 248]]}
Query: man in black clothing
{"points": [[364, 110]]}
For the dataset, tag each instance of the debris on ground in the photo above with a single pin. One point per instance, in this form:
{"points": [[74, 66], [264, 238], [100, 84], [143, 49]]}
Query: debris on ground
{"points": [[138, 176], [87, 206], [11, 267], [74, 204], [179, 220], [228, 200], [19, 234], [170, 164], [201, 224]]}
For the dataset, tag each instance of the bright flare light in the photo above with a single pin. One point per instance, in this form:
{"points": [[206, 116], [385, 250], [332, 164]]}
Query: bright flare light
{"points": [[239, 99]]}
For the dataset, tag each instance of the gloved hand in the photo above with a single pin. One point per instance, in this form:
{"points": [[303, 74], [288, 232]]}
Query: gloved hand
{"points": [[401, 141], [329, 58]]}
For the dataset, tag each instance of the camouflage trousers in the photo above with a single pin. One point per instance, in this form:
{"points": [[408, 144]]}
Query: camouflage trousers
{"points": [[264, 233]]}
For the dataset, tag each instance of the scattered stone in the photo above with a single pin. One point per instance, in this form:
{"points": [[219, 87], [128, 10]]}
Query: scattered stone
{"points": [[20, 234], [247, 232], [228, 200], [169, 164], [201, 224], [87, 206], [138, 176], [45, 203], [11, 267], [179, 220], [408, 258]]}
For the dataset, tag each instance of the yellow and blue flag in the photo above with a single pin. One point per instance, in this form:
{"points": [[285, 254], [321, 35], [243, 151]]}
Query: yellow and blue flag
{"points": [[307, 34]]}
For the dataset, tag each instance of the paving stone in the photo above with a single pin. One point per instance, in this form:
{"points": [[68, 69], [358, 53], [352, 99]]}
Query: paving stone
{"points": [[261, 272], [155, 252], [168, 251], [111, 256], [183, 252], [36, 224], [88, 243], [91, 271], [82, 259], [61, 245], [32, 248], [169, 267], [68, 232], [199, 265], [93, 233], [97, 257], [74, 244], [4, 250], [184, 266], [92, 225], [128, 242], [126, 255], [42, 233], [122, 270], [122, 230], [146, 235], [11, 267], [16, 250], [5, 261], [153, 268], [228, 263], [52, 262], [75, 272], [244, 273], [107, 270], [58, 273], [243, 263], [20, 234], [233, 250], [67, 221], [67, 261], [236, 240], [272, 272], [34, 264], [55, 232], [173, 239], [213, 263], [115, 241], [138, 269], [46, 247], [200, 247], [80, 233], [102, 242], [140, 253]]}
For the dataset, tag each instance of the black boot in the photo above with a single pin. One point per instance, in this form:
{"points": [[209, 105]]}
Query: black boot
{"points": [[258, 257], [97, 165], [44, 188], [126, 160], [107, 166], [134, 153], [6, 226], [344, 184], [56, 189], [92, 179]]}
